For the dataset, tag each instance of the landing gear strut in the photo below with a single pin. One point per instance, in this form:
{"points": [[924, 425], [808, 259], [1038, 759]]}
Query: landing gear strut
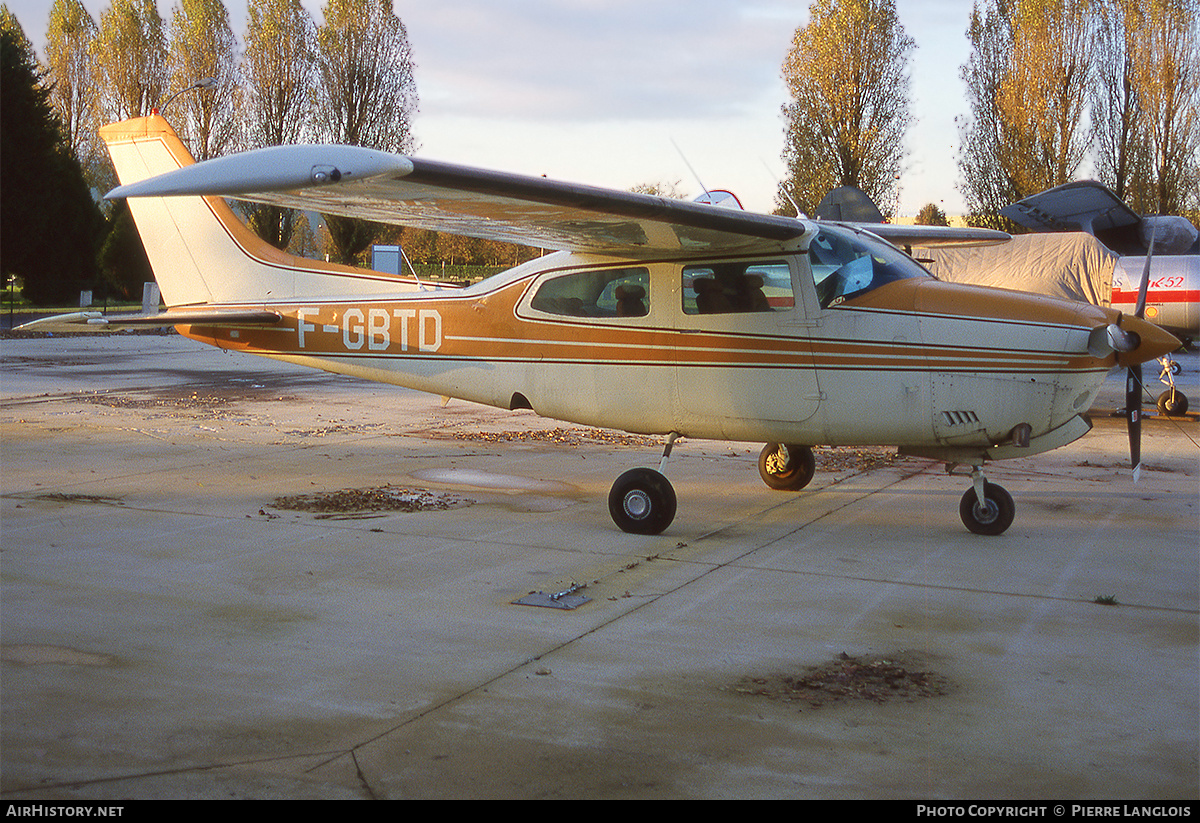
{"points": [[642, 501], [1172, 402], [986, 508]]}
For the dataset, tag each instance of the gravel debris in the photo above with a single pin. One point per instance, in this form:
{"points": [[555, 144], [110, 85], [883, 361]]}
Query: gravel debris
{"points": [[561, 436], [380, 499], [850, 458], [873, 679]]}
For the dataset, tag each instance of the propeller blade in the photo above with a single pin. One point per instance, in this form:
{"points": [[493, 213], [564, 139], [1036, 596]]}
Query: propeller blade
{"points": [[1133, 379], [1133, 417], [1140, 311]]}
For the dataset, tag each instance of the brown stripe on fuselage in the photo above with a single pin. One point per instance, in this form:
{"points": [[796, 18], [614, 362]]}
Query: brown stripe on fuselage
{"points": [[483, 327], [934, 297]]}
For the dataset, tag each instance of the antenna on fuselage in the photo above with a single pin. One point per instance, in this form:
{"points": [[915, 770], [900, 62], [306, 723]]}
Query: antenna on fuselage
{"points": [[782, 189], [703, 188], [412, 269]]}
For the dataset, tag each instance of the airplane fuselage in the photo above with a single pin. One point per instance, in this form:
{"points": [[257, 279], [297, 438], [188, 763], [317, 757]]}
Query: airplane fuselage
{"points": [[936, 368], [1173, 297]]}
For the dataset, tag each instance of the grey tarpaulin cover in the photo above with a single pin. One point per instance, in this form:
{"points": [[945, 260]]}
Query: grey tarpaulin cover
{"points": [[1073, 265]]}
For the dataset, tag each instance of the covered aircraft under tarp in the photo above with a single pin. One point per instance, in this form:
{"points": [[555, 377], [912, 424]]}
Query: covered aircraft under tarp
{"points": [[1071, 265]]}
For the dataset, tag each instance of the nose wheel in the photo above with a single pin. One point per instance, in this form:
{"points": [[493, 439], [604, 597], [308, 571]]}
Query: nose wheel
{"points": [[1172, 403], [986, 508]]}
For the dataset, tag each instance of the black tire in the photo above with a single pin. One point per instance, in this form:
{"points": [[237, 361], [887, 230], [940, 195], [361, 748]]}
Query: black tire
{"points": [[642, 501], [1172, 403], [994, 517], [786, 467]]}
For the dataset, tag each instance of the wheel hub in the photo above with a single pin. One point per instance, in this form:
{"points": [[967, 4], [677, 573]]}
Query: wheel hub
{"points": [[637, 504], [987, 512], [777, 463]]}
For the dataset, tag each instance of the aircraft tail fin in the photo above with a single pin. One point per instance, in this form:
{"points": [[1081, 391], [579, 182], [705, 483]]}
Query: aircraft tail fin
{"points": [[201, 253], [848, 204]]}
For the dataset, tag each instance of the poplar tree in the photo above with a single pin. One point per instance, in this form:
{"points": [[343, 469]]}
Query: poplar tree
{"points": [[49, 224], [202, 47], [367, 94], [72, 69], [277, 69], [847, 74], [131, 52], [1027, 87], [1123, 160], [1165, 76]]}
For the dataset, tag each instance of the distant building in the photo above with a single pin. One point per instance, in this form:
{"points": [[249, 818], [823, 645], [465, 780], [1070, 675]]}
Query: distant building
{"points": [[387, 259]]}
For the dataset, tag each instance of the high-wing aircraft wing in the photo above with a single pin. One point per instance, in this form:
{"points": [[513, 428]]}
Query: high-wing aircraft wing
{"points": [[1083, 205], [532, 211], [933, 236]]}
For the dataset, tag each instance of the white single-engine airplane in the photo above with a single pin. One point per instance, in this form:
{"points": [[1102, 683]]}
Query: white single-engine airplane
{"points": [[655, 316]]}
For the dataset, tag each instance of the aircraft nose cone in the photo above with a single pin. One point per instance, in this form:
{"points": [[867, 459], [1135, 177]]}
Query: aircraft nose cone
{"points": [[1153, 342]]}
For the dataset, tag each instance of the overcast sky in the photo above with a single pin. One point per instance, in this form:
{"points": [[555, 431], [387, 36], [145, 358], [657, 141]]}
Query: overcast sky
{"points": [[602, 91]]}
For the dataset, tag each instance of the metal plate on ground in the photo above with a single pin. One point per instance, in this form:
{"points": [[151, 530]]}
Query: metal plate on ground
{"points": [[552, 601]]}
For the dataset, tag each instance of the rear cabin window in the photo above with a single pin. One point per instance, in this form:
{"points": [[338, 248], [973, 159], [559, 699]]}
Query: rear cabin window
{"points": [[732, 288], [603, 293]]}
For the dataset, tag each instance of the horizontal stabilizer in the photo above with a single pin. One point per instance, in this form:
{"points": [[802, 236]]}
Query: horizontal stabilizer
{"points": [[1083, 205], [853, 207], [276, 168], [85, 321]]}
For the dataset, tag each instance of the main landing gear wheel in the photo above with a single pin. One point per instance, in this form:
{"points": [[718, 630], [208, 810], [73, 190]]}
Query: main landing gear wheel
{"points": [[1172, 403], [786, 466], [994, 516], [642, 501]]}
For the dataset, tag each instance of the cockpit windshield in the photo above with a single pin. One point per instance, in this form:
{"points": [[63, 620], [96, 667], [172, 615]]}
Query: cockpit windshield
{"points": [[846, 264]]}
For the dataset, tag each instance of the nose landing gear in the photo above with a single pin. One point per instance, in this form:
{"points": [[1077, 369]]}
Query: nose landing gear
{"points": [[986, 508], [1172, 402]]}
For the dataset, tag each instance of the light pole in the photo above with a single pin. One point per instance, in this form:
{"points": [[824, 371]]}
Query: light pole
{"points": [[206, 83]]}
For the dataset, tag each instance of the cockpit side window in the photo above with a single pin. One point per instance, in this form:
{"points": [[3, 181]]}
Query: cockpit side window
{"points": [[602, 293], [846, 264], [729, 288]]}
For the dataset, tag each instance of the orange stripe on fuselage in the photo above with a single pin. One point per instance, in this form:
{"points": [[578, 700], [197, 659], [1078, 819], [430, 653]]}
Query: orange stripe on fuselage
{"points": [[486, 327]]}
